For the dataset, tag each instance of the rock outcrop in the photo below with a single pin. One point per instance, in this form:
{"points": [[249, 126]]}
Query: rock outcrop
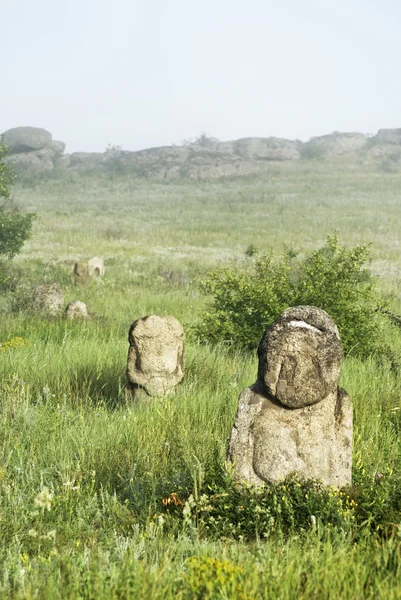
{"points": [[272, 148], [33, 150], [386, 145], [387, 136], [26, 139], [31, 162], [56, 149], [295, 420], [156, 357], [334, 144]]}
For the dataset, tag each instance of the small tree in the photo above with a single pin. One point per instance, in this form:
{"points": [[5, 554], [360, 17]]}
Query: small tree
{"points": [[244, 303], [15, 227]]}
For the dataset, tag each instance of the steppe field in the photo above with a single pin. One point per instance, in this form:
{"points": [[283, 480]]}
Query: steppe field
{"points": [[100, 498]]}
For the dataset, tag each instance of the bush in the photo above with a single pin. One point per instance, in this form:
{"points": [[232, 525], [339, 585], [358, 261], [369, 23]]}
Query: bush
{"points": [[228, 509], [378, 500], [223, 508], [333, 278], [15, 227]]}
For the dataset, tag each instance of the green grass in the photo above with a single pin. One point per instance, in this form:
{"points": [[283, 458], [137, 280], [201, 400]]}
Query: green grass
{"points": [[107, 465]]}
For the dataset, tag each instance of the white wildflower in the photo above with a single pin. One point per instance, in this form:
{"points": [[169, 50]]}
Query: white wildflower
{"points": [[44, 499], [32, 533]]}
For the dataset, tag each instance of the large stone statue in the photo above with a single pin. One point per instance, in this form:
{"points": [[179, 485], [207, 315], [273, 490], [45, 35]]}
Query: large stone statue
{"points": [[295, 420]]}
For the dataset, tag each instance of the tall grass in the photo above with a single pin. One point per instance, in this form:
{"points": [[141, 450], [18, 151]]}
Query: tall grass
{"points": [[67, 434]]}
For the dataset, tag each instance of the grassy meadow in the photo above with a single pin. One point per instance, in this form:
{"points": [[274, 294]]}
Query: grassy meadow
{"points": [[103, 499]]}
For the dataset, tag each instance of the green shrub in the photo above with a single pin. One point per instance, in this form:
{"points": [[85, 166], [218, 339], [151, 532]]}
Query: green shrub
{"points": [[333, 278], [378, 500], [15, 227], [251, 250], [227, 509]]}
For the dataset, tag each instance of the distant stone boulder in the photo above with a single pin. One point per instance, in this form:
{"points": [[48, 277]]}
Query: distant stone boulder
{"points": [[56, 149], [271, 148], [49, 299], [333, 144], [385, 151], [26, 139], [260, 149], [387, 136], [76, 310], [63, 162], [32, 150], [386, 146], [34, 162]]}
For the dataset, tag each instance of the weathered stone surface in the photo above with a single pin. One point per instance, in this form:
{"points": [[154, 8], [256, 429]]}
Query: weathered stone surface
{"points": [[241, 445], [30, 161], [156, 356], [391, 151], [56, 149], [387, 136], [295, 420], [76, 310], [300, 356], [96, 267], [270, 442], [334, 144], [32, 149], [386, 146], [271, 148], [80, 274], [386, 156], [63, 162], [49, 298], [25, 139]]}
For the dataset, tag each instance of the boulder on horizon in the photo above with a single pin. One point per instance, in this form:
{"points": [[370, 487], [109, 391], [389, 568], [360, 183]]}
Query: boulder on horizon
{"points": [[26, 139]]}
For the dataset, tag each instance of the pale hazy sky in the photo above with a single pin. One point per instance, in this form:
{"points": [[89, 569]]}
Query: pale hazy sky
{"points": [[142, 73]]}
